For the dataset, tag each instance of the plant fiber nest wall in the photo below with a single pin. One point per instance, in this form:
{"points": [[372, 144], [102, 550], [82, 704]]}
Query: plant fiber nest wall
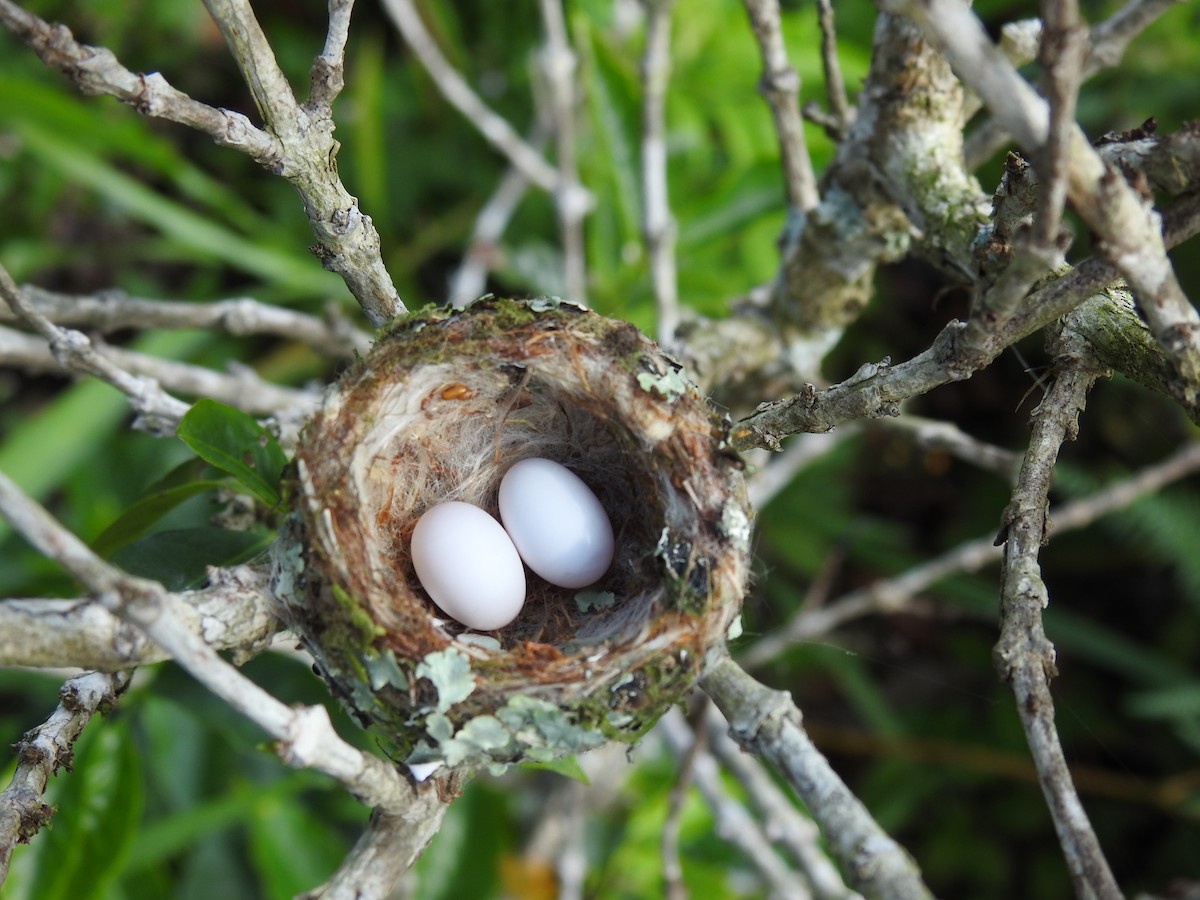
{"points": [[444, 403]]}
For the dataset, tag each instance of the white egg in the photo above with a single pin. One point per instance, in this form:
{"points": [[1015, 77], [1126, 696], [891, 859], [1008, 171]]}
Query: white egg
{"points": [[468, 565], [560, 529]]}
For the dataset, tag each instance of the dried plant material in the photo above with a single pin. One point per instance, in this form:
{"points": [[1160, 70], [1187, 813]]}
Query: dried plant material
{"points": [[440, 409]]}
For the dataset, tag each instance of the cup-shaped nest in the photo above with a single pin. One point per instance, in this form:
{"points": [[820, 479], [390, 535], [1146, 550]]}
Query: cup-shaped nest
{"points": [[442, 406]]}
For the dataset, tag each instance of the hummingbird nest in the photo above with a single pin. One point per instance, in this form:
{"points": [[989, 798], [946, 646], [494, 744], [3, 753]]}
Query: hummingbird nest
{"points": [[441, 407]]}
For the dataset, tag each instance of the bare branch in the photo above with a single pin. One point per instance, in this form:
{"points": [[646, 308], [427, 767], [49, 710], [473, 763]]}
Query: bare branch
{"points": [[235, 611], [111, 310], [295, 144], [781, 86], [157, 410], [242, 388], [1024, 655], [768, 724], [658, 225], [96, 71], [894, 594], [494, 128], [1062, 53], [782, 821], [385, 851], [327, 75], [470, 279], [835, 85], [347, 242], [933, 434], [558, 64], [305, 735], [46, 749], [733, 821], [1111, 37]]}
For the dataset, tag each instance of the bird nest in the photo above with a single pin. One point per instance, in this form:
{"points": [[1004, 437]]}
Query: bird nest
{"points": [[439, 410]]}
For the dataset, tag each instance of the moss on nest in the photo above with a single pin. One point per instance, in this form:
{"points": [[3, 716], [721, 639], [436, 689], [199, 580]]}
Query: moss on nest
{"points": [[440, 408]]}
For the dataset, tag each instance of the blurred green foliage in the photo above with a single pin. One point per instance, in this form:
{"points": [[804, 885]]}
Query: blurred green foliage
{"points": [[173, 795]]}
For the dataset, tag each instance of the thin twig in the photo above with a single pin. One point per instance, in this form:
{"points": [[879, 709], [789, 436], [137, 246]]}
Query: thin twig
{"points": [[835, 85], [241, 388], [327, 76], [570, 200], [1111, 37], [780, 86], [893, 594], [111, 310], [494, 128], [1062, 54], [783, 823], [1024, 656], [157, 410], [46, 749], [658, 225]]}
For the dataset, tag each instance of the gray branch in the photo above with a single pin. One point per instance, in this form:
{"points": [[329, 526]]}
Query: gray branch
{"points": [[235, 611], [112, 310], [1024, 656], [297, 142], [768, 724]]}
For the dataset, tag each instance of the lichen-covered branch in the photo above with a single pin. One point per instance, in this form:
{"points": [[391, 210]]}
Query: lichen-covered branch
{"points": [[1024, 656], [1128, 228], [879, 389], [768, 724], [42, 752]]}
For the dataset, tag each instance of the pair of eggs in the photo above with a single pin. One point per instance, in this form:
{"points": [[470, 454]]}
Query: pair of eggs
{"points": [[471, 565]]}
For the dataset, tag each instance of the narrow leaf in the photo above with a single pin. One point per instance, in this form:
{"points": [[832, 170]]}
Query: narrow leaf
{"points": [[233, 442]]}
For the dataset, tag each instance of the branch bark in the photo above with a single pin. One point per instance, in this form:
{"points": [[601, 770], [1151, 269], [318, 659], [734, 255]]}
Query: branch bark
{"points": [[767, 723], [1024, 656]]}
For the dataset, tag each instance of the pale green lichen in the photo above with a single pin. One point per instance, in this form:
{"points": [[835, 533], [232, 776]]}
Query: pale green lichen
{"points": [[589, 601], [525, 727], [450, 672], [672, 385], [734, 631]]}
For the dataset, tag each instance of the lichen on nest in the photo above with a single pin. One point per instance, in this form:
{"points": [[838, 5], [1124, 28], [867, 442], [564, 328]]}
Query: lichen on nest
{"points": [[439, 410]]}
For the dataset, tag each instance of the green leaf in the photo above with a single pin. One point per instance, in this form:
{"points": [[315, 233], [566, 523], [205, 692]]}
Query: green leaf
{"points": [[568, 766], [138, 519], [292, 849], [233, 442], [179, 558]]}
